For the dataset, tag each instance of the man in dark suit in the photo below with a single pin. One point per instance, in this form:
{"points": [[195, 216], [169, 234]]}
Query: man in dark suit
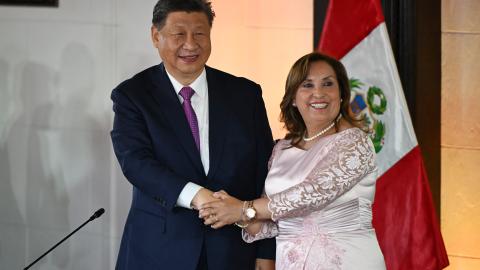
{"points": [[182, 130]]}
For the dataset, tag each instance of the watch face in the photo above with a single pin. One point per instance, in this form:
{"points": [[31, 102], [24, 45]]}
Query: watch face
{"points": [[250, 212]]}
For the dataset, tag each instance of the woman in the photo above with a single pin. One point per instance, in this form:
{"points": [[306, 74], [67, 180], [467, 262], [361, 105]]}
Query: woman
{"points": [[321, 181]]}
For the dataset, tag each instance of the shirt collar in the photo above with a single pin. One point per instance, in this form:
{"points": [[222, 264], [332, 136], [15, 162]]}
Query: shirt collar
{"points": [[199, 85]]}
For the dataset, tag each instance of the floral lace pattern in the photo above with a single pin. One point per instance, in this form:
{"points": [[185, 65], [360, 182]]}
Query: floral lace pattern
{"points": [[269, 229], [349, 159], [318, 252]]}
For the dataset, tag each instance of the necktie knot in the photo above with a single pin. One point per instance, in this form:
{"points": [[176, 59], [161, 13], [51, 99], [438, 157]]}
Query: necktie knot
{"points": [[187, 93]]}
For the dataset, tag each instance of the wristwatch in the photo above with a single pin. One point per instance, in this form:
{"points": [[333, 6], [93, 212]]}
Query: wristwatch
{"points": [[250, 211]]}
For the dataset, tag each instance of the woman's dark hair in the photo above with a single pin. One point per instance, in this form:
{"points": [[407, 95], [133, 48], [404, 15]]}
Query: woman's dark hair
{"points": [[165, 7], [290, 115]]}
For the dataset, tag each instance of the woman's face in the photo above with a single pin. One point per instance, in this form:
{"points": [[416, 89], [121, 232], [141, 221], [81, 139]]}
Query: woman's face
{"points": [[318, 97]]}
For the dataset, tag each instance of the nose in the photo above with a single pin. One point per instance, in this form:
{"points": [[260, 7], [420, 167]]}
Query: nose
{"points": [[317, 91], [190, 42]]}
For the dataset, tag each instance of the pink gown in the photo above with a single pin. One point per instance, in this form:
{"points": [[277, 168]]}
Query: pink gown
{"points": [[321, 201]]}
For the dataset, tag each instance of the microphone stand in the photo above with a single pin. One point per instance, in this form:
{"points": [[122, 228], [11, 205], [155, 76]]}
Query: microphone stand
{"points": [[97, 214]]}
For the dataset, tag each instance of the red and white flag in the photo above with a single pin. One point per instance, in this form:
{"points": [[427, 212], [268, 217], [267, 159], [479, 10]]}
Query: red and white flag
{"points": [[404, 218]]}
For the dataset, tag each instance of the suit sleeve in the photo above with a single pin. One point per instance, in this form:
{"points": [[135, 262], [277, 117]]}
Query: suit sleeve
{"points": [[134, 150], [264, 145]]}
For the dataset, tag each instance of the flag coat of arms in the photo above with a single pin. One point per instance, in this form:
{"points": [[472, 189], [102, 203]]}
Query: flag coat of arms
{"points": [[403, 214]]}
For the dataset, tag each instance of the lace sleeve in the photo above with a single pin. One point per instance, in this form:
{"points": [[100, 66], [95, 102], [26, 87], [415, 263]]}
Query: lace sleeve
{"points": [[348, 159], [269, 229]]}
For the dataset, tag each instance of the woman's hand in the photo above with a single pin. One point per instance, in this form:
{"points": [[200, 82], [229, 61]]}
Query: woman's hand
{"points": [[227, 210]]}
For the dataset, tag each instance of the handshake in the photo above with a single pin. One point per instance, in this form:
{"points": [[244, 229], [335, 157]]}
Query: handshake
{"points": [[218, 209]]}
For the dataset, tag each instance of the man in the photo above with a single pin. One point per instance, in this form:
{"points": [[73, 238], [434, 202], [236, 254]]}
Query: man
{"points": [[182, 130]]}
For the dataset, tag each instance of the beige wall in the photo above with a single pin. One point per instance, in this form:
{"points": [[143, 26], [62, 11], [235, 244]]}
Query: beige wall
{"points": [[260, 40], [461, 132]]}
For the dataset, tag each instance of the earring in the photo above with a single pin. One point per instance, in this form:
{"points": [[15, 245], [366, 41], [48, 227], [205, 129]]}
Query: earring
{"points": [[338, 117], [294, 104], [341, 100]]}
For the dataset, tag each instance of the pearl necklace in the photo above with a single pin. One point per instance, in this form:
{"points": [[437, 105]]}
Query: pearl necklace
{"points": [[305, 138]]}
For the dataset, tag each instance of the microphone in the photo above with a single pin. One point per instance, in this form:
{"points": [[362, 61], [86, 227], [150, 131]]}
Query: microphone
{"points": [[97, 214]]}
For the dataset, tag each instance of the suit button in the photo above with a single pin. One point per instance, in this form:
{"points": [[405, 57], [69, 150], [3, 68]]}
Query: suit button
{"points": [[161, 201]]}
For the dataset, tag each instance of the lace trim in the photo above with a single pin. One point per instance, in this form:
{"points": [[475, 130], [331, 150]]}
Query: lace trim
{"points": [[269, 229], [349, 158]]}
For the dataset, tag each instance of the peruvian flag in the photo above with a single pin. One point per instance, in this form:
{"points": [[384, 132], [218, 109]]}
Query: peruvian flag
{"points": [[404, 218]]}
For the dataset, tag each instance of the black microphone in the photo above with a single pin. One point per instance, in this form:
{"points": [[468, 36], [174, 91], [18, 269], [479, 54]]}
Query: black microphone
{"points": [[97, 214]]}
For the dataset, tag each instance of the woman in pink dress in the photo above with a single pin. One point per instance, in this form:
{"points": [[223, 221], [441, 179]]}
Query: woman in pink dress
{"points": [[321, 182]]}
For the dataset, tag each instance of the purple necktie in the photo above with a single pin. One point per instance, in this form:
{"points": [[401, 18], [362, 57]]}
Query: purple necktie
{"points": [[187, 93]]}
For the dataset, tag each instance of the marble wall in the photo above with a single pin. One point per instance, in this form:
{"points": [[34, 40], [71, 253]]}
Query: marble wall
{"points": [[460, 204]]}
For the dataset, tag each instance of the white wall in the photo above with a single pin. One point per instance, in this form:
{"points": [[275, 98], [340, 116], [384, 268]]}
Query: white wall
{"points": [[57, 69]]}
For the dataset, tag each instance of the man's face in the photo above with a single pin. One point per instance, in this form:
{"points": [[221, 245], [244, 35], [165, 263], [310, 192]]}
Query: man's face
{"points": [[183, 44]]}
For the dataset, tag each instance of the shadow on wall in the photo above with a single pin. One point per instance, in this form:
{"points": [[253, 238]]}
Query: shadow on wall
{"points": [[47, 200], [30, 181], [12, 224], [80, 149], [55, 163]]}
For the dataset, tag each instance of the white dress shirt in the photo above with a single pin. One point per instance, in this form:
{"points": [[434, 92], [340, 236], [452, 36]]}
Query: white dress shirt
{"points": [[200, 105]]}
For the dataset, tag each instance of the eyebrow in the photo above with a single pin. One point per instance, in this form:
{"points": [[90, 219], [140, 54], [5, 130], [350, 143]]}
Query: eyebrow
{"points": [[328, 77]]}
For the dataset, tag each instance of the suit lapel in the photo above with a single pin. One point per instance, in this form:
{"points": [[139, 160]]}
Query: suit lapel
{"points": [[218, 118], [171, 108]]}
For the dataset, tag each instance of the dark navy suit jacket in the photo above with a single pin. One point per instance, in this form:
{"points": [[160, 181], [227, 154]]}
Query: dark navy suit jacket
{"points": [[156, 151]]}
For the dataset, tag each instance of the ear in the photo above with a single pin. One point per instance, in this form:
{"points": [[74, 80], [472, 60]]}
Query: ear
{"points": [[155, 35]]}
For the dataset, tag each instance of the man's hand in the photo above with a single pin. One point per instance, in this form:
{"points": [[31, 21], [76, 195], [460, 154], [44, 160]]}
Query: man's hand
{"points": [[264, 264], [203, 196]]}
